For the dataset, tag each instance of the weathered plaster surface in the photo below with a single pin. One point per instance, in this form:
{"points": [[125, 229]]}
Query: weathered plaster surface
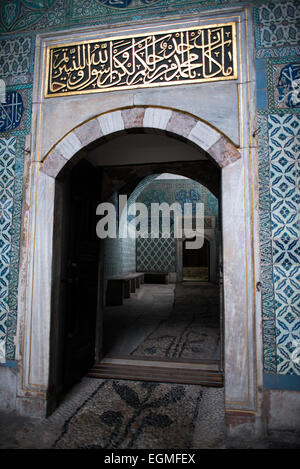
{"points": [[8, 388], [283, 411]]}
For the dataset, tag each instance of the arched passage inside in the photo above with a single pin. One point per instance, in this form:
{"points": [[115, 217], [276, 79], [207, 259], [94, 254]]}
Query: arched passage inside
{"points": [[215, 152], [157, 321], [109, 315]]}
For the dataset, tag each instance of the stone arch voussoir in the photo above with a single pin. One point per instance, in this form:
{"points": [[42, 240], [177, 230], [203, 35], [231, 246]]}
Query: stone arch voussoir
{"points": [[177, 122]]}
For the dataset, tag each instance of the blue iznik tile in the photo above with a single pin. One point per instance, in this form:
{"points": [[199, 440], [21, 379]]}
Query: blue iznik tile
{"points": [[261, 99], [7, 164], [279, 23], [288, 86], [11, 111], [280, 186]]}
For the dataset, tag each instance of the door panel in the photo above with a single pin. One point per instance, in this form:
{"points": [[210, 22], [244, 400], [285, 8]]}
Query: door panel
{"points": [[80, 277]]}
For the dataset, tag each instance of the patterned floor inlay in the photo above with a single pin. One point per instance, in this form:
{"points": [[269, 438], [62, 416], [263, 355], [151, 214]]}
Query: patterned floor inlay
{"points": [[191, 330], [135, 415], [166, 321], [130, 414]]}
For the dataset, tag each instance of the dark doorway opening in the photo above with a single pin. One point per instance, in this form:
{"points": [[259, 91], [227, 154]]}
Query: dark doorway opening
{"points": [[195, 263], [80, 342]]}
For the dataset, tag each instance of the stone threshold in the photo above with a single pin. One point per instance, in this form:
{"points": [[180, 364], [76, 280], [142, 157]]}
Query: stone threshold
{"points": [[206, 373]]}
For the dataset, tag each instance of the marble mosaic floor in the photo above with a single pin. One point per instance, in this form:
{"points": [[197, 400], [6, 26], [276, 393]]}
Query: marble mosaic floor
{"points": [[118, 414], [166, 322]]}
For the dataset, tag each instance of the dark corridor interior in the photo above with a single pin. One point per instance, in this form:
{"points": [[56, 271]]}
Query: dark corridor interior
{"points": [[195, 263], [164, 330], [165, 321]]}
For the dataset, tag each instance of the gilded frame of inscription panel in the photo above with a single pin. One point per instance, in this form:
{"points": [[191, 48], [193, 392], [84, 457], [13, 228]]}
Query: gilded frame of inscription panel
{"points": [[183, 50]]}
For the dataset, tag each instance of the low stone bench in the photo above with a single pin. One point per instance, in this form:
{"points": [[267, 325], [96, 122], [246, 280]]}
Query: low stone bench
{"points": [[137, 279], [156, 277], [121, 286]]}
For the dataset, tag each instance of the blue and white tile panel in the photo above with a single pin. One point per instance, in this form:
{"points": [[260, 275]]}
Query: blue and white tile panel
{"points": [[284, 146], [7, 169]]}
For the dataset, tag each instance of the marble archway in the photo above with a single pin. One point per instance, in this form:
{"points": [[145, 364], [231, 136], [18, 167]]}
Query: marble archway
{"points": [[222, 151], [36, 273]]}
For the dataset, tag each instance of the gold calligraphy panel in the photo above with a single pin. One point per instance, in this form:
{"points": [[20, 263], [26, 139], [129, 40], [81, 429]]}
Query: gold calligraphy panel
{"points": [[192, 55]]}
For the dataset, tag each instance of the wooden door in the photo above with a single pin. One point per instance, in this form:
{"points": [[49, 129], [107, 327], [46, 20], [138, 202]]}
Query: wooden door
{"points": [[80, 277]]}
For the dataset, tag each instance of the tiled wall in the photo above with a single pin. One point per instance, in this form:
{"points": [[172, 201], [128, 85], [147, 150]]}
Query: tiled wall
{"points": [[41, 15], [159, 254], [154, 255], [119, 253], [16, 68], [277, 37], [119, 257], [276, 32]]}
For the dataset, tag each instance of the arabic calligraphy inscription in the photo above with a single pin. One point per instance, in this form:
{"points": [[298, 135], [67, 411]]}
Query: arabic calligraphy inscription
{"points": [[177, 57], [11, 111]]}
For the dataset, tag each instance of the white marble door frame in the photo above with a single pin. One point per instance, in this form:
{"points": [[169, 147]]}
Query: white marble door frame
{"points": [[243, 362]]}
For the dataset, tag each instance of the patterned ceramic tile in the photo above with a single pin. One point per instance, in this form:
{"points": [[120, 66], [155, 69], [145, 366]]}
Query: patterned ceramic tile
{"points": [[182, 191], [284, 85], [156, 255], [119, 254], [268, 307], [11, 111], [278, 193], [16, 60], [278, 52], [15, 113], [279, 229], [127, 10], [160, 254], [287, 296], [15, 250], [284, 140], [16, 15], [7, 169]]}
